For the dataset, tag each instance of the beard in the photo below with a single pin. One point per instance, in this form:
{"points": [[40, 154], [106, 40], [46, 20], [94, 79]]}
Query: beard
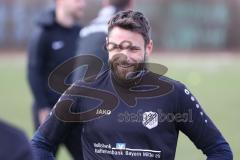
{"points": [[124, 72]]}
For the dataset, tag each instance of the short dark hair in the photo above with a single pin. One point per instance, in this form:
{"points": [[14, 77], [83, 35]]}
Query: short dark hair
{"points": [[120, 4], [131, 20]]}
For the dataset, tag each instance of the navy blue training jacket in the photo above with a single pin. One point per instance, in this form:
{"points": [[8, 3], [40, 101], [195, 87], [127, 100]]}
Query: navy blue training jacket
{"points": [[132, 124], [50, 45]]}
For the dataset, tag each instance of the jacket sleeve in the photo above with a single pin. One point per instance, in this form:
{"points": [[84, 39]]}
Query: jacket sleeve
{"points": [[54, 131], [37, 51], [41, 148], [199, 127]]}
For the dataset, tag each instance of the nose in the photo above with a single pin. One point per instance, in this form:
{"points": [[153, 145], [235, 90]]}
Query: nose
{"points": [[127, 55], [125, 52]]}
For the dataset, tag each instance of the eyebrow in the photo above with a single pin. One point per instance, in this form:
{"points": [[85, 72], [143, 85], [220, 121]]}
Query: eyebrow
{"points": [[137, 47], [121, 42]]}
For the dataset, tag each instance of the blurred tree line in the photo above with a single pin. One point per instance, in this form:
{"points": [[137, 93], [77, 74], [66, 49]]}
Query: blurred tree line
{"points": [[176, 24]]}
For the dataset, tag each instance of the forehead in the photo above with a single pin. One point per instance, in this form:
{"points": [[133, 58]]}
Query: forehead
{"points": [[118, 35]]}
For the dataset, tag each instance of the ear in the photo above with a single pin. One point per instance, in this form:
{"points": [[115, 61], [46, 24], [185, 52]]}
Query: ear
{"points": [[149, 48], [106, 44]]}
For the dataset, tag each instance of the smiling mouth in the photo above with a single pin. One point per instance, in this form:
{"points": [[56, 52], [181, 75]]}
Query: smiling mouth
{"points": [[125, 65]]}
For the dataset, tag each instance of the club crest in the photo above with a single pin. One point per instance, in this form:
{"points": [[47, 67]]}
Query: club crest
{"points": [[150, 119]]}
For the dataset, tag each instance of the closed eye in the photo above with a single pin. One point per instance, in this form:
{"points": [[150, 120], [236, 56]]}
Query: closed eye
{"points": [[134, 48]]}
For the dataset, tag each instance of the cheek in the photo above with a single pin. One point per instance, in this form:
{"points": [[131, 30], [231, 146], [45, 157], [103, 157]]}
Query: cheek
{"points": [[136, 57], [112, 55]]}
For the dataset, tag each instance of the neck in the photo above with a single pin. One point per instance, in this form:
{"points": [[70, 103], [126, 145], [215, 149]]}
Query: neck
{"points": [[63, 18]]}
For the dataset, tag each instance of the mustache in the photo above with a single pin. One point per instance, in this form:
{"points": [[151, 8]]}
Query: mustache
{"points": [[121, 59]]}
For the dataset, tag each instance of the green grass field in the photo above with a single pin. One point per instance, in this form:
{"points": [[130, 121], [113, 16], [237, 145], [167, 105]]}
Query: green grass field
{"points": [[214, 80]]}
